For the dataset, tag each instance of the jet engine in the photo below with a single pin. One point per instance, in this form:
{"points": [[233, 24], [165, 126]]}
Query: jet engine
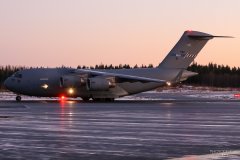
{"points": [[72, 80], [100, 84]]}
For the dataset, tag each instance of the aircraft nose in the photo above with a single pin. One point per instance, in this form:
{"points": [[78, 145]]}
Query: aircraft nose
{"points": [[7, 83]]}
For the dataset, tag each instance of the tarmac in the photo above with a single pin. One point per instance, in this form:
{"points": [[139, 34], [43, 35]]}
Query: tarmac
{"points": [[136, 129]]}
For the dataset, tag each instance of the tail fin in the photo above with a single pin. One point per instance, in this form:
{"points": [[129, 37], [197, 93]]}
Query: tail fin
{"points": [[186, 50]]}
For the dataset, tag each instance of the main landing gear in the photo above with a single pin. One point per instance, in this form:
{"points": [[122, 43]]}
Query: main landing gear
{"points": [[87, 99], [18, 98], [103, 99]]}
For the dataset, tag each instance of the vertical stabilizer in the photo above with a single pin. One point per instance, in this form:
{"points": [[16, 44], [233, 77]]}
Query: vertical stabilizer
{"points": [[186, 50]]}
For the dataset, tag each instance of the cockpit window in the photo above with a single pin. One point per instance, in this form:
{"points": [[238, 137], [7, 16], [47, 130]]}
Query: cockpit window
{"points": [[17, 75]]}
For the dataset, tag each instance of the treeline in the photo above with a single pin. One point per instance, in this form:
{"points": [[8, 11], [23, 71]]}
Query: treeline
{"points": [[120, 66], [214, 75], [209, 75]]}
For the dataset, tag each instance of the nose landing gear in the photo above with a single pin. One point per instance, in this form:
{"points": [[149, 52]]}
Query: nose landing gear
{"points": [[18, 98]]}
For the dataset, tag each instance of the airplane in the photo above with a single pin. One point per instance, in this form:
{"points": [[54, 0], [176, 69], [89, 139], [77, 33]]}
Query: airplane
{"points": [[109, 84]]}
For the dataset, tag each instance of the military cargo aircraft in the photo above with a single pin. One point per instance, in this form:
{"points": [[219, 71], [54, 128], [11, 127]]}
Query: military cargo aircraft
{"points": [[106, 85]]}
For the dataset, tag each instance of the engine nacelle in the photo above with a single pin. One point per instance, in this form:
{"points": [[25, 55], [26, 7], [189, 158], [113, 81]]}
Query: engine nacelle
{"points": [[72, 80], [100, 84]]}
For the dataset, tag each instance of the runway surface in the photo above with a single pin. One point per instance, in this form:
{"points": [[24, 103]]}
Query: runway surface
{"points": [[126, 129]]}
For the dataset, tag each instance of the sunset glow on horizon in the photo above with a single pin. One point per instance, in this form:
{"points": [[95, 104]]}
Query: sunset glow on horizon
{"points": [[78, 32]]}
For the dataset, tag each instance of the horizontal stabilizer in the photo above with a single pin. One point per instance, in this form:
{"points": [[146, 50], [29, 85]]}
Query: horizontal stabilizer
{"points": [[203, 37], [186, 74]]}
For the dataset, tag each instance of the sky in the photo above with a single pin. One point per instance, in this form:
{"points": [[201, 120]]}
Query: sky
{"points": [[52, 33]]}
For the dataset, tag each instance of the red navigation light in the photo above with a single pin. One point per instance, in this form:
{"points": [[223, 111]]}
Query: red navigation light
{"points": [[237, 95], [189, 30], [62, 97]]}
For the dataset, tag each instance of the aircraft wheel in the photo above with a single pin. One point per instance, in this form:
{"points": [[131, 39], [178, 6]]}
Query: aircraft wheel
{"points": [[97, 99], [85, 99], [109, 99], [18, 98], [103, 99]]}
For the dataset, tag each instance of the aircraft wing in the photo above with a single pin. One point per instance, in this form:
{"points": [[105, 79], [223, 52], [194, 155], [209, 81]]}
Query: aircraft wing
{"points": [[119, 77]]}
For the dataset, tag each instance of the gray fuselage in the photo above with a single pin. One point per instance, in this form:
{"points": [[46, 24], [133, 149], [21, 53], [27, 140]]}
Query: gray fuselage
{"points": [[31, 82]]}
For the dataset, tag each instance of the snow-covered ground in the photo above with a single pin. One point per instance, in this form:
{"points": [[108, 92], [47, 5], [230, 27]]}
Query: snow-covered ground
{"points": [[215, 155], [187, 92], [203, 92], [6, 96]]}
